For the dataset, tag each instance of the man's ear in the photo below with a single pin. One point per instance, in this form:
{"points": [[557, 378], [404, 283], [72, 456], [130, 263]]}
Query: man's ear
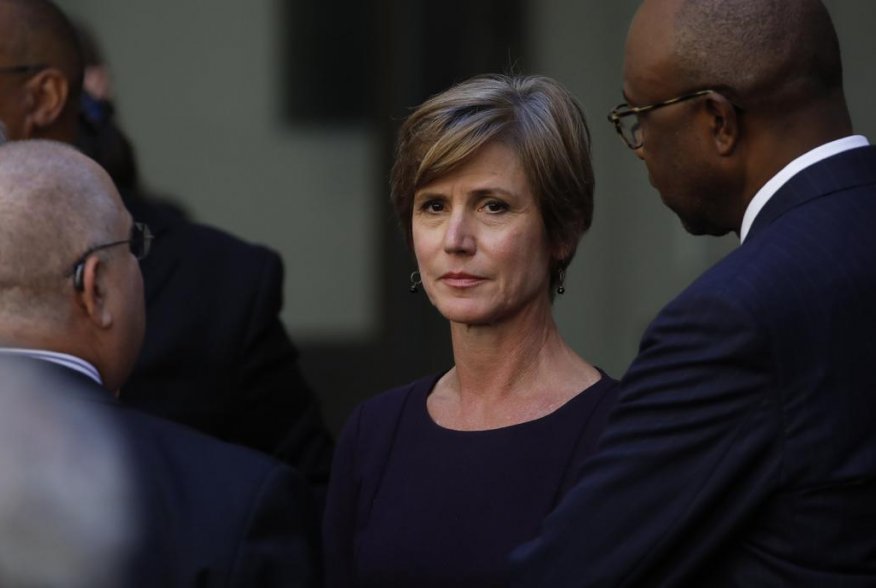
{"points": [[724, 123], [48, 92], [94, 291]]}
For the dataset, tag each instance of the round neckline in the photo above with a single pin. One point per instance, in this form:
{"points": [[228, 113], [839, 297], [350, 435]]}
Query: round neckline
{"points": [[428, 386]]}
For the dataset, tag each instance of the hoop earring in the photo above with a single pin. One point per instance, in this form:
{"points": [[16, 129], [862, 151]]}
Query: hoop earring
{"points": [[561, 279], [415, 282]]}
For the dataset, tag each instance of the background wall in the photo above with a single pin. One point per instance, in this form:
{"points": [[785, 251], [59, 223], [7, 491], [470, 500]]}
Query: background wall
{"points": [[200, 88]]}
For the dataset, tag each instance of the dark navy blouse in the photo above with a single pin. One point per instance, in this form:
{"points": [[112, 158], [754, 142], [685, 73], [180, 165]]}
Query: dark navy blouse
{"points": [[414, 504]]}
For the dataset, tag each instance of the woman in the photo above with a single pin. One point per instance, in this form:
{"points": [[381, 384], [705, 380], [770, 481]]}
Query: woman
{"points": [[435, 482]]}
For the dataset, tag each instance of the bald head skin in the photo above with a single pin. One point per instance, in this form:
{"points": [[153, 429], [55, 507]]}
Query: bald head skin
{"points": [[46, 219], [56, 204], [42, 102], [776, 72], [777, 52]]}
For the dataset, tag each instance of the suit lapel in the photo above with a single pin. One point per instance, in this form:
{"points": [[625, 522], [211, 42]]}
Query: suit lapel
{"points": [[856, 167]]}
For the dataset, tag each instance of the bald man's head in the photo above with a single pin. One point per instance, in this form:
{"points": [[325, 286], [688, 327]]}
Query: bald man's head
{"points": [[37, 33], [59, 210], [774, 73], [775, 52], [55, 203]]}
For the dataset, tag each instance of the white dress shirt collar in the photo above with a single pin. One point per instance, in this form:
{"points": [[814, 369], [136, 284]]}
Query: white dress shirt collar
{"points": [[68, 361], [777, 181]]}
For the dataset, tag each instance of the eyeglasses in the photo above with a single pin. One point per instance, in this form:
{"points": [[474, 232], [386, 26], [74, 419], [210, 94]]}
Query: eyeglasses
{"points": [[626, 121], [139, 242], [22, 69]]}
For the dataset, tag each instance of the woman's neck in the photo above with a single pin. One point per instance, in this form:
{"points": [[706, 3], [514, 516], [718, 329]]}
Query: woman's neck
{"points": [[510, 372]]}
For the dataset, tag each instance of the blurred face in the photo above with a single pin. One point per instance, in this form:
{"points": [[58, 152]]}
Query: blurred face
{"points": [[480, 241], [676, 144]]}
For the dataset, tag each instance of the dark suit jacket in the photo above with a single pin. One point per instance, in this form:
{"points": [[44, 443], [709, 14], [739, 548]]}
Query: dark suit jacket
{"points": [[215, 355], [207, 513], [743, 448]]}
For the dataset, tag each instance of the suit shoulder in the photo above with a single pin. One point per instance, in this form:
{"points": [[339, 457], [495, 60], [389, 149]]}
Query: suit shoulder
{"points": [[171, 227], [212, 240], [174, 442], [199, 253], [816, 249], [215, 509]]}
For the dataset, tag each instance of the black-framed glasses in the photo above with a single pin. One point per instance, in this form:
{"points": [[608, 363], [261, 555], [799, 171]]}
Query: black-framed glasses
{"points": [[626, 120], [139, 243], [22, 69]]}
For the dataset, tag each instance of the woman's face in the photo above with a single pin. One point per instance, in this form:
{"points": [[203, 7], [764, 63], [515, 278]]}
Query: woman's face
{"points": [[480, 241]]}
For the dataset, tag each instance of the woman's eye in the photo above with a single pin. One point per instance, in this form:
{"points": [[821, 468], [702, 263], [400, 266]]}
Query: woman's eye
{"points": [[432, 206], [495, 206]]}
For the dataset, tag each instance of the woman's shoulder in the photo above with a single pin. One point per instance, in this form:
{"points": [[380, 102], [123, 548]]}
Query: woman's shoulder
{"points": [[601, 398], [598, 394], [390, 402], [379, 415], [367, 437], [587, 412], [605, 387]]}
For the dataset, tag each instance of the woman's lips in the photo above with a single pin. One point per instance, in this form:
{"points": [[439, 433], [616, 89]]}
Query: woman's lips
{"points": [[461, 279]]}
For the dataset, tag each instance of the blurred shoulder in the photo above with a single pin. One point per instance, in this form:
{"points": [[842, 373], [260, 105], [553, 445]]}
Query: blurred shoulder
{"points": [[179, 237], [205, 241]]}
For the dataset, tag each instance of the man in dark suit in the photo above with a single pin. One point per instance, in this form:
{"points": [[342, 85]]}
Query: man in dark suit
{"points": [[742, 451], [205, 513], [215, 356]]}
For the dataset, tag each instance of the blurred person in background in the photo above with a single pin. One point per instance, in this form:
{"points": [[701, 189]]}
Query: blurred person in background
{"points": [[203, 512], [434, 482], [101, 138], [215, 355]]}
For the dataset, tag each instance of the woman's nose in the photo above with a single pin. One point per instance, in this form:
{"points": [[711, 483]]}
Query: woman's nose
{"points": [[459, 237]]}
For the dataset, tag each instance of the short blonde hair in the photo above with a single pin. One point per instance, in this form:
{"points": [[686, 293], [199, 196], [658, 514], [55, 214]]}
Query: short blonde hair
{"points": [[535, 116]]}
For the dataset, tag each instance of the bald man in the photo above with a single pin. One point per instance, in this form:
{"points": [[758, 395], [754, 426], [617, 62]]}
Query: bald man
{"points": [[215, 355], [206, 513], [742, 451]]}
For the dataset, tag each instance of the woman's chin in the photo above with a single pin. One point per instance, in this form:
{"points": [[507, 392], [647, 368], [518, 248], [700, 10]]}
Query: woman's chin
{"points": [[468, 313]]}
